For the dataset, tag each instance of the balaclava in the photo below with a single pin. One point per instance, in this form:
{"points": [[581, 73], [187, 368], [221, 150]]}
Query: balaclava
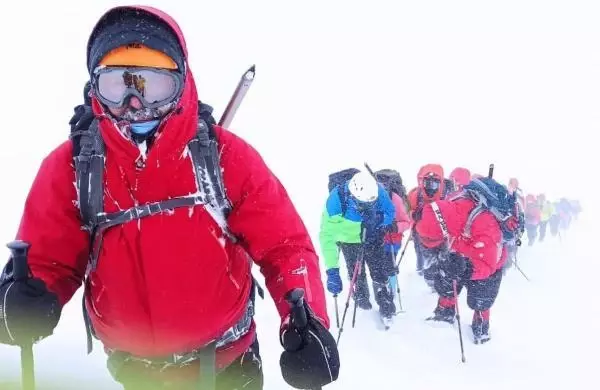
{"points": [[130, 37]]}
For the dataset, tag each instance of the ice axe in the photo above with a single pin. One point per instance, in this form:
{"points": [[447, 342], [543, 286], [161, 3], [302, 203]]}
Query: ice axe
{"points": [[370, 170], [19, 251], [237, 97]]}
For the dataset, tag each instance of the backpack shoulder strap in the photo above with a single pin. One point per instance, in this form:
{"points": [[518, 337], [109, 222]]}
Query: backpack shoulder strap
{"points": [[420, 200], [475, 212], [441, 221], [88, 161], [88, 158], [205, 155], [343, 198]]}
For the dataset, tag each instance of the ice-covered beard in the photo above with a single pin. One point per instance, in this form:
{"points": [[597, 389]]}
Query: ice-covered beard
{"points": [[146, 114]]}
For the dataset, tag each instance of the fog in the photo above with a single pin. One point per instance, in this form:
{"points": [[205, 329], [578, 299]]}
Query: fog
{"points": [[398, 84]]}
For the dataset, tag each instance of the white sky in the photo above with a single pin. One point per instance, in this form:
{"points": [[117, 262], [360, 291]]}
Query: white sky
{"points": [[396, 83]]}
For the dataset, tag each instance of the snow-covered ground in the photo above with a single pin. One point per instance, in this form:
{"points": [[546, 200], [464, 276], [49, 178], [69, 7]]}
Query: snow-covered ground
{"points": [[542, 331], [398, 84]]}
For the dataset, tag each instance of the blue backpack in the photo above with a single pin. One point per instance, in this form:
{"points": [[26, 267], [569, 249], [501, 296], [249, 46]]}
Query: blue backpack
{"points": [[489, 195]]}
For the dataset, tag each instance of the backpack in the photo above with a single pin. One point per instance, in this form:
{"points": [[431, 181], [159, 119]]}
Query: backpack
{"points": [[337, 180], [341, 177], [89, 157], [392, 182], [489, 195]]}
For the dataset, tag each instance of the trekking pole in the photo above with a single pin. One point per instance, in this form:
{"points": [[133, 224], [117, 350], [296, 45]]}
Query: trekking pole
{"points": [[237, 97], [357, 267], [360, 265], [410, 238], [522, 273], [19, 251], [462, 347], [298, 317], [401, 310], [520, 270], [337, 314]]}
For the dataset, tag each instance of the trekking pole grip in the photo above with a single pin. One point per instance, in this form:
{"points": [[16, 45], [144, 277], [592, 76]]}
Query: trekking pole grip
{"points": [[298, 312], [19, 250]]}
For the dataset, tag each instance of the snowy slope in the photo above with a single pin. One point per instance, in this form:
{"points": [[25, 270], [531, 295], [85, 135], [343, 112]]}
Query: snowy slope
{"points": [[398, 84], [537, 337]]}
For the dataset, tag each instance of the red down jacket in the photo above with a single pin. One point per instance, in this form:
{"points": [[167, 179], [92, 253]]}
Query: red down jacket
{"points": [[170, 283], [417, 196], [483, 248]]}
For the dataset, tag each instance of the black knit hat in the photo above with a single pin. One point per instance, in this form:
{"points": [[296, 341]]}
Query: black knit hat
{"points": [[125, 25]]}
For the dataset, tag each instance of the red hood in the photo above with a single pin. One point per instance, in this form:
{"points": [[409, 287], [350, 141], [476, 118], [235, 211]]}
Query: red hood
{"points": [[176, 128], [437, 171], [461, 176]]}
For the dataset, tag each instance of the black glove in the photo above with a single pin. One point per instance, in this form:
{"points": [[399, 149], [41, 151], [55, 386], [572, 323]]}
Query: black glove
{"points": [[417, 214], [83, 116], [456, 267], [29, 312], [432, 257], [311, 357]]}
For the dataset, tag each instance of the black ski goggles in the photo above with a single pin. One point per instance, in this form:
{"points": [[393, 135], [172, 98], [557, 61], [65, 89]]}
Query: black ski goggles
{"points": [[431, 185], [154, 87]]}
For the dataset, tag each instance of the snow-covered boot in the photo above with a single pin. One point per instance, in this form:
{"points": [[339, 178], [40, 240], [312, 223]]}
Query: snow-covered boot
{"points": [[445, 311], [385, 300], [481, 326]]}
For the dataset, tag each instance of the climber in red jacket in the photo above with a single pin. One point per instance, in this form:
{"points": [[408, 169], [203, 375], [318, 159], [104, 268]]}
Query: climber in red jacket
{"points": [[170, 291], [469, 248]]}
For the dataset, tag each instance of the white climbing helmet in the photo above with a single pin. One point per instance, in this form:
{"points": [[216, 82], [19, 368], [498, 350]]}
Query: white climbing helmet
{"points": [[364, 187]]}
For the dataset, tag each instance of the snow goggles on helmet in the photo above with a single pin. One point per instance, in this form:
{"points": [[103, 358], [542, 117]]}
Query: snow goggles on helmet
{"points": [[154, 87]]}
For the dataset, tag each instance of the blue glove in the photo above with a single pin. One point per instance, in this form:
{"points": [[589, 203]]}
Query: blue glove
{"points": [[334, 282]]}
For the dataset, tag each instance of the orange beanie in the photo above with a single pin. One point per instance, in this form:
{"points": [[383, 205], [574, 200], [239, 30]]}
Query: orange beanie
{"points": [[138, 55]]}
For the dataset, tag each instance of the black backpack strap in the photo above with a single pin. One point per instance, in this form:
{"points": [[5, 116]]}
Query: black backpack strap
{"points": [[420, 200], [209, 179], [88, 157], [89, 330], [343, 198], [88, 161]]}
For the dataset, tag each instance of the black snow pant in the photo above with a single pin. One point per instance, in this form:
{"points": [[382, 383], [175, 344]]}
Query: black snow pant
{"points": [[245, 373], [543, 226], [381, 267], [481, 294], [531, 233]]}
